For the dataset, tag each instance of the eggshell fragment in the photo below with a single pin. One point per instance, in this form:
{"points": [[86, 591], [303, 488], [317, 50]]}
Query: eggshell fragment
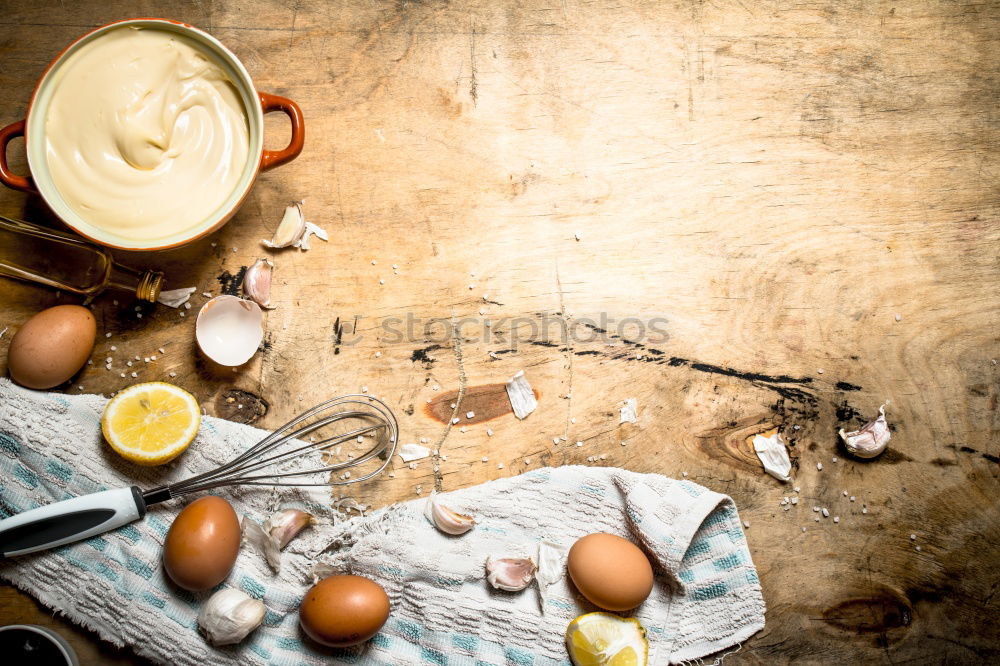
{"points": [[229, 330], [611, 572], [341, 611], [202, 544], [51, 346]]}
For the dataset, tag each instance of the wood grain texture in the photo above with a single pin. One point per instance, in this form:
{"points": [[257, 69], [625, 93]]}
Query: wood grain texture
{"points": [[766, 185]]}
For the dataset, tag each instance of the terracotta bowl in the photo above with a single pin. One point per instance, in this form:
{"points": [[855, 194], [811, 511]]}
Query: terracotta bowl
{"points": [[256, 104]]}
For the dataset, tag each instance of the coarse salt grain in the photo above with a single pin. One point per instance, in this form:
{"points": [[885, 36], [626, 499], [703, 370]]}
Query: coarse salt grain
{"points": [[489, 433], [485, 459], [819, 466], [470, 415], [135, 374], [836, 519], [579, 443], [500, 466], [746, 524], [826, 513]]}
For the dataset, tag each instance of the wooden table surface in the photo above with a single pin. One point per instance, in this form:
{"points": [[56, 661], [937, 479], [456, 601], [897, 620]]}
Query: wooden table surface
{"points": [[745, 215]]}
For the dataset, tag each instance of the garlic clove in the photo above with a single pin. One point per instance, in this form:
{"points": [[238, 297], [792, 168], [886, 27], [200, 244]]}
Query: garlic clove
{"points": [[290, 229], [229, 615], [870, 440], [510, 574], [229, 330], [446, 520], [284, 525], [257, 283], [257, 537]]}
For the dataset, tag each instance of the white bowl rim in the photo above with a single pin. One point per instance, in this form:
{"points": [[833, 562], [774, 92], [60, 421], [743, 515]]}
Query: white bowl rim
{"points": [[38, 165]]}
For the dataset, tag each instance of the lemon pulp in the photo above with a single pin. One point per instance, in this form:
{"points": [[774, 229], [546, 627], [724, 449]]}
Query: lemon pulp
{"points": [[603, 639], [151, 423]]}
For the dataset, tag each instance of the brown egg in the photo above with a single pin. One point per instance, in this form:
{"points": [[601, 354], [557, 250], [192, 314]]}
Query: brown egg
{"points": [[610, 571], [51, 346], [341, 611], [202, 544]]}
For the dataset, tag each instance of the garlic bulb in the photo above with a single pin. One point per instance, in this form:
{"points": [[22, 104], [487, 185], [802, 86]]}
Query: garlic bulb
{"points": [[284, 525], [870, 440], [290, 229], [257, 283], [510, 574], [446, 520], [229, 615]]}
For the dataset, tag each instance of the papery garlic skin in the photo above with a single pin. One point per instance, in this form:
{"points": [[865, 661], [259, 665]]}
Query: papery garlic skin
{"points": [[446, 520], [257, 537], [229, 615], [511, 574], [773, 456], [284, 525], [175, 298], [551, 568], [257, 283], [290, 229], [870, 440], [311, 230]]}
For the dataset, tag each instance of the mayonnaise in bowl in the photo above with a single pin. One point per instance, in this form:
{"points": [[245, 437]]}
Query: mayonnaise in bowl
{"points": [[146, 136]]}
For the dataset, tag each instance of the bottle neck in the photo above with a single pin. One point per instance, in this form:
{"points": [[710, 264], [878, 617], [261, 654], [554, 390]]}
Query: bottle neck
{"points": [[144, 284]]}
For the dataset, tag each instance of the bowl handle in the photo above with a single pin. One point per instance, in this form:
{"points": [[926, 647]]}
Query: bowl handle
{"points": [[15, 182], [272, 158]]}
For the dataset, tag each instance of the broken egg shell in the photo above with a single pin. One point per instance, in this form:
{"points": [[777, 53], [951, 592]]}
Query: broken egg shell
{"points": [[229, 330], [257, 283]]}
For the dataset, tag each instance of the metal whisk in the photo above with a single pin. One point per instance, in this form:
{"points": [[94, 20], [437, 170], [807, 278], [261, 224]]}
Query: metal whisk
{"points": [[283, 458]]}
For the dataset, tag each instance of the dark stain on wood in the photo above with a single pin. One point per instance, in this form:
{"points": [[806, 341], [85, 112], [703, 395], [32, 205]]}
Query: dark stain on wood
{"points": [[240, 406], [845, 386], [846, 412], [422, 356], [865, 615], [231, 284], [338, 336], [968, 449], [486, 402], [943, 462]]}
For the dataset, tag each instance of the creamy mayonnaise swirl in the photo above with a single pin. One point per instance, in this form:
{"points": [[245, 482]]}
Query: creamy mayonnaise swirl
{"points": [[145, 135]]}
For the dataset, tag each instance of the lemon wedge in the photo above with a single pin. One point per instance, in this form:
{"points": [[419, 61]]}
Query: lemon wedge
{"points": [[151, 423], [603, 639]]}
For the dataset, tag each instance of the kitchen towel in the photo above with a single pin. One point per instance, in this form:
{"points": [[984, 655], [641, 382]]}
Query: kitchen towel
{"points": [[707, 597]]}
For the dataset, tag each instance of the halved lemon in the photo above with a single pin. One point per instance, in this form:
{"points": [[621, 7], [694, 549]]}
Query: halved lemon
{"points": [[603, 639], [151, 423]]}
